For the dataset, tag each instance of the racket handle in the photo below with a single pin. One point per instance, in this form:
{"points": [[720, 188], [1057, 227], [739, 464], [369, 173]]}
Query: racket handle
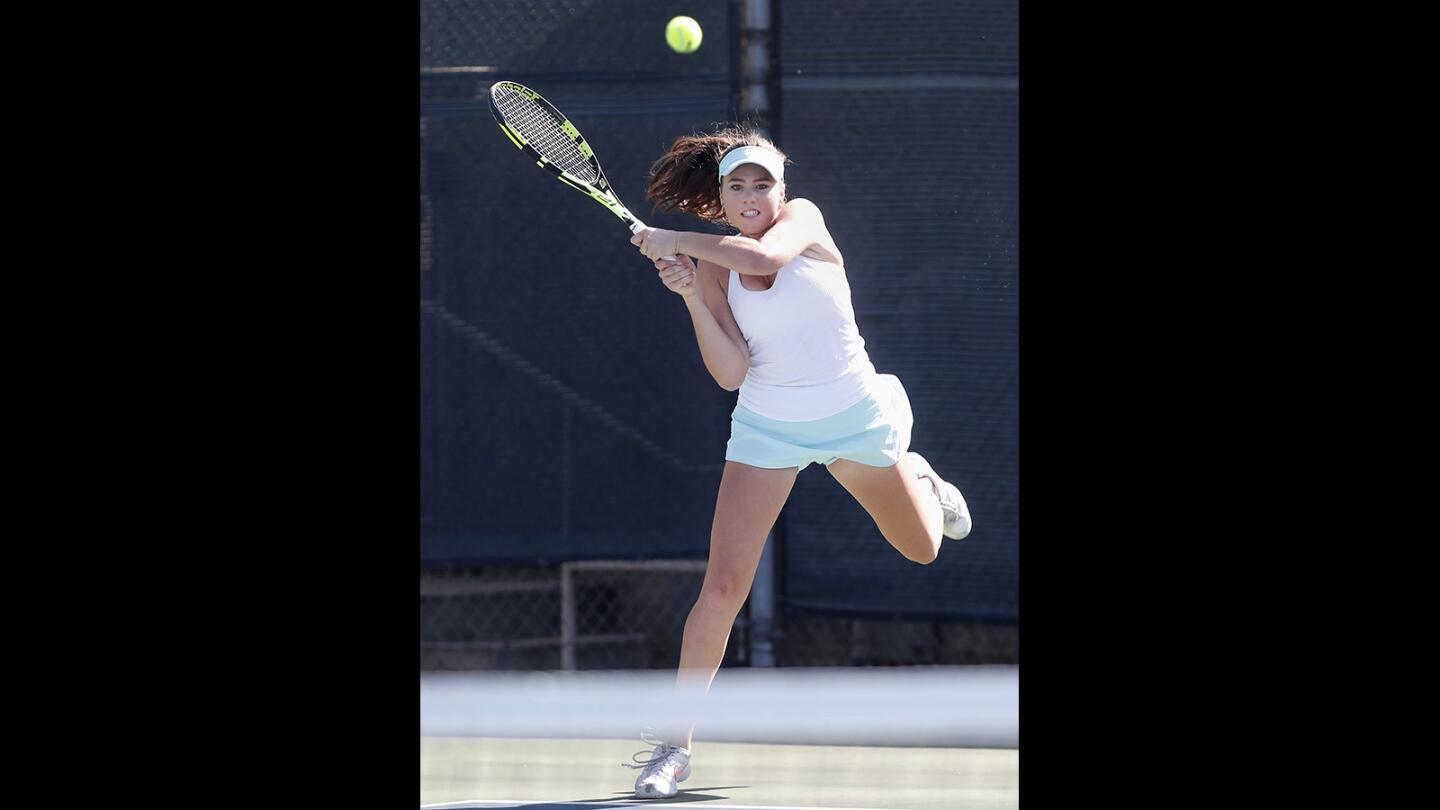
{"points": [[637, 225]]}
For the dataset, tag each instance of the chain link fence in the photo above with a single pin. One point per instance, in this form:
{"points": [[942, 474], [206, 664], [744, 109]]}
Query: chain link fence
{"points": [[617, 614]]}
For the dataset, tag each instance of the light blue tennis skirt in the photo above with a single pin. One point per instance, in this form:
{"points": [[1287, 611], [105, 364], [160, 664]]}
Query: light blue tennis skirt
{"points": [[873, 431]]}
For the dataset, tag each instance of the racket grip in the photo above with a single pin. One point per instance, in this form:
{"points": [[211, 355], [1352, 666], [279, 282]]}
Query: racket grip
{"points": [[636, 225]]}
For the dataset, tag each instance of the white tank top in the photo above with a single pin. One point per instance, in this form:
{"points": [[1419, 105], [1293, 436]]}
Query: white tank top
{"points": [[807, 359]]}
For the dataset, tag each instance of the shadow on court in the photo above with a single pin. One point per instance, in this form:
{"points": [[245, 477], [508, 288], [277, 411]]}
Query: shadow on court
{"points": [[683, 797]]}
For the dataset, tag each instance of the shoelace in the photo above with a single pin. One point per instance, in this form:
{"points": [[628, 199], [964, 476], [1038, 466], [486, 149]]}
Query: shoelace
{"points": [[942, 494], [659, 753], [950, 503]]}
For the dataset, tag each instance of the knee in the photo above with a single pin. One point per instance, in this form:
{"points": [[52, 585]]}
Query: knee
{"points": [[924, 557], [923, 550], [722, 596]]}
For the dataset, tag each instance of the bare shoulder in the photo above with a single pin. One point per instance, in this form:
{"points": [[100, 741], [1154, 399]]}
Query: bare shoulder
{"points": [[803, 207], [823, 248]]}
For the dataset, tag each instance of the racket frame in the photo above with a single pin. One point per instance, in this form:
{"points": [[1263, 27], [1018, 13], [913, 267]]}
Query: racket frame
{"points": [[598, 190]]}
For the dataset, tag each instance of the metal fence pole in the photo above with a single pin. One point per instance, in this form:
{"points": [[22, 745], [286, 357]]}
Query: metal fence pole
{"points": [[567, 617]]}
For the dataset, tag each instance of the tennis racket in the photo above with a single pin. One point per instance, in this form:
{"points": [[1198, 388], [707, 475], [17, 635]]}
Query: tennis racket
{"points": [[545, 134]]}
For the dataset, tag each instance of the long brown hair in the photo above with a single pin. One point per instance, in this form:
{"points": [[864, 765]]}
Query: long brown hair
{"points": [[686, 178]]}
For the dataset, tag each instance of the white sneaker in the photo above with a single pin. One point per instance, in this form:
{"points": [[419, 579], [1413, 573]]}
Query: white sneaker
{"points": [[666, 765], [952, 503]]}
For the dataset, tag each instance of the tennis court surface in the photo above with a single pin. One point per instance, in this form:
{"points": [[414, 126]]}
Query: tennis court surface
{"points": [[927, 738]]}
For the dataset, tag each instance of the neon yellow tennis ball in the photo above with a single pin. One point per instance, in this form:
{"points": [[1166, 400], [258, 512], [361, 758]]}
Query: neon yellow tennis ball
{"points": [[683, 34]]}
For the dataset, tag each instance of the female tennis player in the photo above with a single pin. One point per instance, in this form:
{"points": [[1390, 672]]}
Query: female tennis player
{"points": [[772, 315]]}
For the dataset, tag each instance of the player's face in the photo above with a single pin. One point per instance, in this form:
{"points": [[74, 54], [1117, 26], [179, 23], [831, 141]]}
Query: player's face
{"points": [[752, 199]]}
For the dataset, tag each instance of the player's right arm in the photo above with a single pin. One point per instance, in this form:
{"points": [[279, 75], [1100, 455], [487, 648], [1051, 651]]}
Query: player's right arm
{"points": [[722, 346]]}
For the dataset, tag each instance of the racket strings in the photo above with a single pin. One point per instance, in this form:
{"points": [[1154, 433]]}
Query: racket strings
{"points": [[542, 130]]}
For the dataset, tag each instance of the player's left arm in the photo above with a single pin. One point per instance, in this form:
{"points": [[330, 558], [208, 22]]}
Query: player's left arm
{"points": [[798, 227]]}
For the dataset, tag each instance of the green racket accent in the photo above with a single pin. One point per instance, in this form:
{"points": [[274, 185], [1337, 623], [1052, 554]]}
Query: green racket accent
{"points": [[606, 200], [511, 134], [547, 136]]}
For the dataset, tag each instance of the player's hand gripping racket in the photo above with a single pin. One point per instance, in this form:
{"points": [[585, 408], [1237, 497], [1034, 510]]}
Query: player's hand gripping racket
{"points": [[545, 134]]}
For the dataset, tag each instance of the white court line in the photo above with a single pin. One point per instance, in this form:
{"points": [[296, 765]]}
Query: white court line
{"points": [[542, 803]]}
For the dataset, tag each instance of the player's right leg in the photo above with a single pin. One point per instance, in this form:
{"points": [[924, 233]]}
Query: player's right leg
{"points": [[746, 508]]}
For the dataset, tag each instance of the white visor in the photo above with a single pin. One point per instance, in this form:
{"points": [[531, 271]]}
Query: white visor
{"points": [[759, 155]]}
